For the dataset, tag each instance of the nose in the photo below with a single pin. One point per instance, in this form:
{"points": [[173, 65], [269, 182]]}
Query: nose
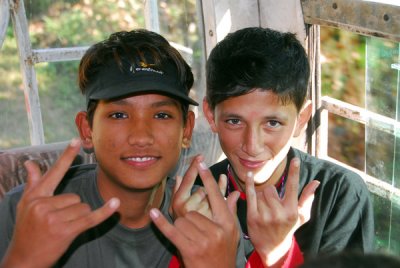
{"points": [[253, 141], [140, 133]]}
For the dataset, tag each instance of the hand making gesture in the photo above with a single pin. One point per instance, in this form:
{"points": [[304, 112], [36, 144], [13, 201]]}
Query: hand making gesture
{"points": [[47, 224], [184, 200], [272, 221], [204, 241]]}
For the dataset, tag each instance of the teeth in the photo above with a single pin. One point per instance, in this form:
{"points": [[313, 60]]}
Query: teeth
{"points": [[140, 159]]}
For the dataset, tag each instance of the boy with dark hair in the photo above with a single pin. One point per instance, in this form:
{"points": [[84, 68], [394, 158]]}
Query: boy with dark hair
{"points": [[256, 102], [137, 120]]}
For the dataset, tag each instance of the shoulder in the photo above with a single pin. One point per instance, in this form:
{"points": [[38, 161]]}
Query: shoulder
{"points": [[333, 177], [77, 176]]}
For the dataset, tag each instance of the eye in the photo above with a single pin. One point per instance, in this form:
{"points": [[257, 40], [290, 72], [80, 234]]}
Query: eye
{"points": [[162, 115], [273, 124], [233, 121], [119, 115]]}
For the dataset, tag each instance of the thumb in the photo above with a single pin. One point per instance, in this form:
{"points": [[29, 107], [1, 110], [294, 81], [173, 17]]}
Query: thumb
{"points": [[306, 201]]}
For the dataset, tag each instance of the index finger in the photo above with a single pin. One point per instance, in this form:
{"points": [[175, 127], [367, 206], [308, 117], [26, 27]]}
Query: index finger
{"points": [[292, 183], [183, 191], [217, 201], [55, 174]]}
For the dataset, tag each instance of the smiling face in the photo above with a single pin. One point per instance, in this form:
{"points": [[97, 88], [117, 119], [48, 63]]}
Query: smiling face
{"points": [[137, 140], [255, 132]]}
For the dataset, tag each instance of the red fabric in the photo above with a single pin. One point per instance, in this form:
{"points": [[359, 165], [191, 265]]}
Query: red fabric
{"points": [[294, 258], [174, 263]]}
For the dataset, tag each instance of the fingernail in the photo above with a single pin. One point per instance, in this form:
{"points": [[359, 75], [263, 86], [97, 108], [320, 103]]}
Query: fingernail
{"points": [[203, 165], [75, 142], [154, 214], [296, 162], [249, 174], [316, 185], [114, 202]]}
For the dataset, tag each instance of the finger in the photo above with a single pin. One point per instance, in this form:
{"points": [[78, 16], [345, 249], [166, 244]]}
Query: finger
{"points": [[184, 190], [95, 217], [34, 175], [251, 197], [196, 198], [232, 201], [292, 184], [216, 199], [222, 184], [308, 191], [271, 198], [306, 200], [204, 209], [169, 230], [54, 175], [72, 212], [64, 200], [178, 181]]}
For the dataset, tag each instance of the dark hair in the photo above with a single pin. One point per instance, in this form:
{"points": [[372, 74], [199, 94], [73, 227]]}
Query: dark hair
{"points": [[258, 57], [353, 260], [131, 45]]}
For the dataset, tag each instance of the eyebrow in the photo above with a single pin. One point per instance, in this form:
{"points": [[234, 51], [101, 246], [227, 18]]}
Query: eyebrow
{"points": [[268, 117], [168, 102]]}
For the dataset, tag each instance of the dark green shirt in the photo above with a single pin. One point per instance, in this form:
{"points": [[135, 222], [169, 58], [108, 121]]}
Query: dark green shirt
{"points": [[342, 216], [109, 244]]}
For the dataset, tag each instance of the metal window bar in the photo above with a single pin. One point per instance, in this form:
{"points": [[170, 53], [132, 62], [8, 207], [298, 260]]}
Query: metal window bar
{"points": [[368, 118]]}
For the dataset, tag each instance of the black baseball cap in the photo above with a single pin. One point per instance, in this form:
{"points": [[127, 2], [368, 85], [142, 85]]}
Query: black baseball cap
{"points": [[129, 77]]}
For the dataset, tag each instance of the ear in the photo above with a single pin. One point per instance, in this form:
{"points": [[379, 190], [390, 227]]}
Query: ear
{"points": [[209, 114], [85, 132], [303, 117], [188, 130]]}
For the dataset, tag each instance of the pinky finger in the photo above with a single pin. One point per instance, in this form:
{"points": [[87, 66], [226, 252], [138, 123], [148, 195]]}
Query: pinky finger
{"points": [[95, 217], [169, 230]]}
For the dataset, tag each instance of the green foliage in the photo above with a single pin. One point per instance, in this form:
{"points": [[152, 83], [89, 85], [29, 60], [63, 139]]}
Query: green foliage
{"points": [[343, 78]]}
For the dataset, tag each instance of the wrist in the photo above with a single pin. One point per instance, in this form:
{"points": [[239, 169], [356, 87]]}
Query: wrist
{"points": [[277, 256]]}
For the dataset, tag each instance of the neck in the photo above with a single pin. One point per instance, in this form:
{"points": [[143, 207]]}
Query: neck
{"points": [[135, 205]]}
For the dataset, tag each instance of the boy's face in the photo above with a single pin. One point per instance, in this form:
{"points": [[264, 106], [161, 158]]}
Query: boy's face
{"points": [[255, 132], [137, 140]]}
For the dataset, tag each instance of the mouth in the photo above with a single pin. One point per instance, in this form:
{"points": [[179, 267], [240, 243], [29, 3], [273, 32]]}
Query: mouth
{"points": [[251, 164], [141, 161]]}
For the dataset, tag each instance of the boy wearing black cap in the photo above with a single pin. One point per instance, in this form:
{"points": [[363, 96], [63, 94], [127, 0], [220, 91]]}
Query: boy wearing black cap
{"points": [[137, 120]]}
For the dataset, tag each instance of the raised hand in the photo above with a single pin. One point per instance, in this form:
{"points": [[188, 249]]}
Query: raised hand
{"points": [[203, 241], [46, 224], [184, 200], [272, 221]]}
